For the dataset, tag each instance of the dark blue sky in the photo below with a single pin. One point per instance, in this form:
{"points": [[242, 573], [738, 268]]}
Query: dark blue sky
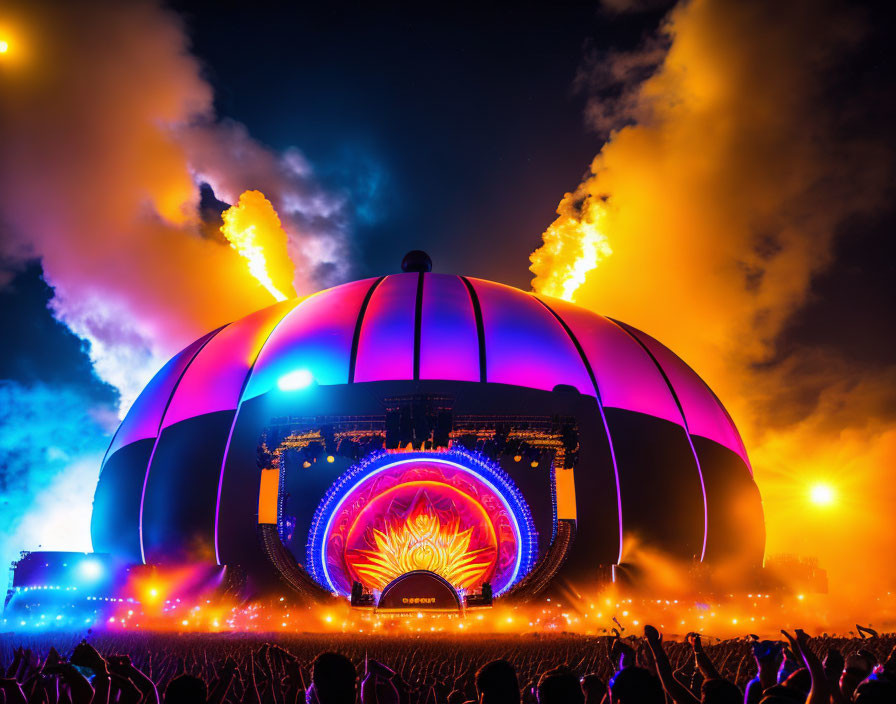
{"points": [[458, 127], [455, 130]]}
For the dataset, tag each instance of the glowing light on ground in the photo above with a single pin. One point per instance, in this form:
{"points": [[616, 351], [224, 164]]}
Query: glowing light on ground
{"points": [[90, 569], [822, 494]]}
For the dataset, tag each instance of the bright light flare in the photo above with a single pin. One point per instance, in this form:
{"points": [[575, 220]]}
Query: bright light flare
{"points": [[4, 46], [90, 569], [822, 494], [295, 380]]}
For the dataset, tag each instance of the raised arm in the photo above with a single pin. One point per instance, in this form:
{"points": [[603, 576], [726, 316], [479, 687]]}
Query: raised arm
{"points": [[679, 693], [706, 666], [821, 690]]}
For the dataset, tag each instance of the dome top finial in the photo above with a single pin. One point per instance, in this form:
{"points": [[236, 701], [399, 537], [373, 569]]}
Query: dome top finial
{"points": [[416, 261]]}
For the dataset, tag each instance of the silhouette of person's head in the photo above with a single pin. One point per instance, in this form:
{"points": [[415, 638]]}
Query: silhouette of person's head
{"points": [[333, 679], [186, 689], [636, 685], [875, 691], [719, 691], [496, 683], [560, 686], [594, 688]]}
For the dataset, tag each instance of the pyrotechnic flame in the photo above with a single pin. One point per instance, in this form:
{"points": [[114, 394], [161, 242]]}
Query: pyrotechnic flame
{"points": [[253, 228], [574, 245], [422, 542]]}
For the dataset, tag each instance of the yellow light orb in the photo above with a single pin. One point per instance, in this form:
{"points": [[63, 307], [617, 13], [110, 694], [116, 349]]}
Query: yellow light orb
{"points": [[822, 494], [4, 46]]}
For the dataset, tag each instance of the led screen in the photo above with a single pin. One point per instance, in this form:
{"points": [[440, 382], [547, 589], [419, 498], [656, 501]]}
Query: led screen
{"points": [[448, 513]]}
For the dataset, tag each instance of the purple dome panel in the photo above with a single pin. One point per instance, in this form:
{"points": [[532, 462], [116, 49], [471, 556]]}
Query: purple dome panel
{"points": [[449, 343], [386, 344], [145, 416], [626, 376], [215, 378], [703, 413], [315, 336], [524, 343]]}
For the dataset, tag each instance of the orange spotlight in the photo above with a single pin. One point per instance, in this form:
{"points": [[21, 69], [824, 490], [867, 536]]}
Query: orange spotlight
{"points": [[822, 494]]}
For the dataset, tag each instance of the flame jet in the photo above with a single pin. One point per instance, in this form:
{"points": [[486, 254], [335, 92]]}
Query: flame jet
{"points": [[254, 230]]}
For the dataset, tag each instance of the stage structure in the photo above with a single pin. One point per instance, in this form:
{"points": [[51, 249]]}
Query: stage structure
{"points": [[429, 432]]}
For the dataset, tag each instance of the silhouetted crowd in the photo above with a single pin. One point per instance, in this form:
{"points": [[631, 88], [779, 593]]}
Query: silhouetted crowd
{"points": [[153, 668]]}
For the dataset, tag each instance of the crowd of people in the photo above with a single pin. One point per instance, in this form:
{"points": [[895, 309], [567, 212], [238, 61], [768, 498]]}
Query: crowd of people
{"points": [[155, 668]]}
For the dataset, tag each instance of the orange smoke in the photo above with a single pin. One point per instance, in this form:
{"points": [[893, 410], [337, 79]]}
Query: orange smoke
{"points": [[254, 231], [106, 134], [704, 223]]}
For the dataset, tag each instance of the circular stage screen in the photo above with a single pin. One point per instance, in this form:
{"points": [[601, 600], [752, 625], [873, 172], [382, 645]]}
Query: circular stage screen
{"points": [[450, 513]]}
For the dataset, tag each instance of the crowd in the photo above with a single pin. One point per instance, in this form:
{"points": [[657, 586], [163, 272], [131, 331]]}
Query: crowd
{"points": [[153, 668]]}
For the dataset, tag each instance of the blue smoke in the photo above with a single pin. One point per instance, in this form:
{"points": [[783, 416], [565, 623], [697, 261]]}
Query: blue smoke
{"points": [[52, 441]]}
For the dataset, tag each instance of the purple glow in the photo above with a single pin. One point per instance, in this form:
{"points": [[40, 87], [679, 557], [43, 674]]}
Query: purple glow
{"points": [[145, 416], [215, 378], [449, 343], [315, 335], [524, 343], [193, 350], [626, 376], [703, 413], [386, 345]]}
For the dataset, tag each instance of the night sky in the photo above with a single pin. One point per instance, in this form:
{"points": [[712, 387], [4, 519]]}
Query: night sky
{"points": [[456, 130]]}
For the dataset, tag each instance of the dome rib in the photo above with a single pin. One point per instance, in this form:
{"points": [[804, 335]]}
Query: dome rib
{"points": [[418, 323], [356, 336], [684, 419], [480, 328], [203, 341], [603, 417], [233, 422], [449, 343]]}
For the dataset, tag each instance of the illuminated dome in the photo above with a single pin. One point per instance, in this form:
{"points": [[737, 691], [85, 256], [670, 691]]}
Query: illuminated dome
{"points": [[426, 421]]}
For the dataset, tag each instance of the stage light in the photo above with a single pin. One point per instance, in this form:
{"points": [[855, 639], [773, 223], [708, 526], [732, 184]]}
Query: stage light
{"points": [[306, 464], [534, 463], [331, 459], [517, 458], [295, 380], [90, 569], [4, 46], [822, 494]]}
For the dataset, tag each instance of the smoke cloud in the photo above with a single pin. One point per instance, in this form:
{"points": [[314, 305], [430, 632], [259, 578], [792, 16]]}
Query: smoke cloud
{"points": [[705, 219], [51, 446], [108, 130]]}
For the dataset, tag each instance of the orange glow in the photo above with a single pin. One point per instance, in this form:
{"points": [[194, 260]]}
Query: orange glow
{"points": [[254, 230], [822, 494], [422, 542], [4, 46], [267, 496], [684, 227]]}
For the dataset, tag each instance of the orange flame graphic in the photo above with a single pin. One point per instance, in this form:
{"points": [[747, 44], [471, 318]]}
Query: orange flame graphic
{"points": [[422, 542]]}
